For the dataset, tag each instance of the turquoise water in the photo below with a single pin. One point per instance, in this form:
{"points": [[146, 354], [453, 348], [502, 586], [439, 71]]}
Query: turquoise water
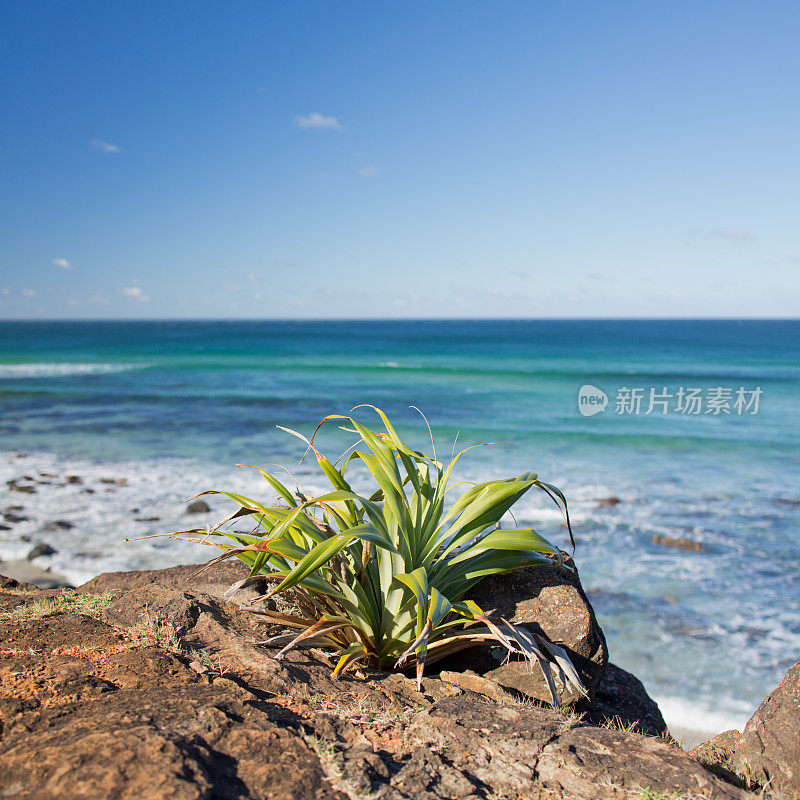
{"points": [[173, 406]]}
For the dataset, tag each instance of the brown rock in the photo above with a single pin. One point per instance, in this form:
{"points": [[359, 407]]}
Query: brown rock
{"points": [[214, 581], [168, 696], [717, 754], [548, 601], [198, 507], [583, 760], [609, 501], [622, 699], [769, 749], [522, 751], [475, 683], [683, 544], [190, 743]]}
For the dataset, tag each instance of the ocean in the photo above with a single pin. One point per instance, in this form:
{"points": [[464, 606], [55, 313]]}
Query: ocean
{"points": [[694, 426]]}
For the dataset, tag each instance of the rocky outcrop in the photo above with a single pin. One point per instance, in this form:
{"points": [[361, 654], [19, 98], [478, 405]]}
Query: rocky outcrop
{"points": [[550, 602], [717, 755], [768, 752], [621, 700], [159, 689]]}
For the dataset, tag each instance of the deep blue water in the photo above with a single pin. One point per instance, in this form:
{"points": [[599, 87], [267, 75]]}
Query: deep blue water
{"points": [[174, 405]]}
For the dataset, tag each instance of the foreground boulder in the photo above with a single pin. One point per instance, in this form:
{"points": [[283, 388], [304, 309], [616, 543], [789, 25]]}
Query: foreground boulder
{"points": [[621, 700], [160, 689], [717, 755], [550, 602], [768, 752]]}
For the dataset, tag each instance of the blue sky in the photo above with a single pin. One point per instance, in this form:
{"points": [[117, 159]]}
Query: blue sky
{"points": [[449, 159]]}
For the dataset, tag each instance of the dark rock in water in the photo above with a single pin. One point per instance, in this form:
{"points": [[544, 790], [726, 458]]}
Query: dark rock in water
{"points": [[42, 549], [621, 698], [59, 525], [14, 518], [786, 501], [717, 753], [683, 544], [5, 527], [87, 491], [548, 601], [74, 479], [15, 486], [146, 519], [115, 481], [194, 709], [609, 501], [198, 507], [769, 748]]}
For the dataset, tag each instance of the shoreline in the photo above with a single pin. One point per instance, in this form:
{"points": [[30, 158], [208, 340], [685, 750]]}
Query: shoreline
{"points": [[26, 571]]}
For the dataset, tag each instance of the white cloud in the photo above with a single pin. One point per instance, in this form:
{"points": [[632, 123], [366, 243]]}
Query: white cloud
{"points": [[735, 235], [136, 293], [5, 290], [28, 293], [63, 263], [73, 302], [370, 171], [97, 299], [106, 147], [315, 120]]}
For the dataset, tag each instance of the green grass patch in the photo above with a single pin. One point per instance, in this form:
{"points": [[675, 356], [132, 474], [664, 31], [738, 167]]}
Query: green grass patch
{"points": [[68, 602]]}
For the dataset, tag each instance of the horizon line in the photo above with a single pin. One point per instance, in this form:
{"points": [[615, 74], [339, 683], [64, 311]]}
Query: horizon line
{"points": [[400, 319]]}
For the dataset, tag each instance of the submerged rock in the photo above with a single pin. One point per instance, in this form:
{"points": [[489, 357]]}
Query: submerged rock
{"points": [[16, 485], [683, 544], [59, 525], [42, 549], [115, 481], [198, 507]]}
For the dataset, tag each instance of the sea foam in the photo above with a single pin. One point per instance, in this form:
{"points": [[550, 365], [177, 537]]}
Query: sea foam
{"points": [[59, 370]]}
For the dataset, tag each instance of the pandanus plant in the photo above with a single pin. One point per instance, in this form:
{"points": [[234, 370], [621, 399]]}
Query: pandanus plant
{"points": [[384, 579]]}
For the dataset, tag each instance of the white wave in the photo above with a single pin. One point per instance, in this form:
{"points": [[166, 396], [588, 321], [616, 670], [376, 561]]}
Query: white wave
{"points": [[60, 370], [681, 712]]}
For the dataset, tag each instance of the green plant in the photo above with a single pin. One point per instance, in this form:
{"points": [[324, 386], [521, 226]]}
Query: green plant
{"points": [[383, 579]]}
